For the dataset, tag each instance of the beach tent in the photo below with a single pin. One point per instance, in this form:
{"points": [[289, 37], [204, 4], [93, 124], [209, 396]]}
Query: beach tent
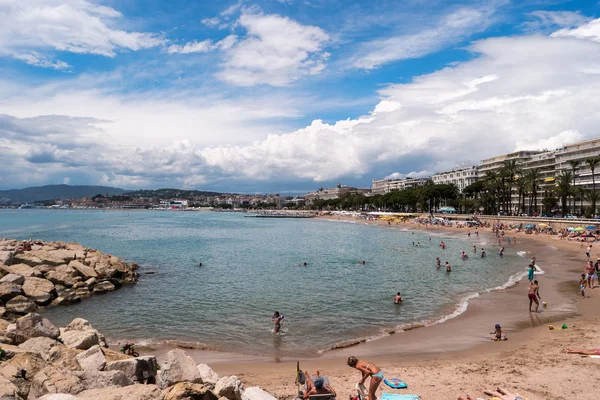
{"points": [[590, 227], [447, 210]]}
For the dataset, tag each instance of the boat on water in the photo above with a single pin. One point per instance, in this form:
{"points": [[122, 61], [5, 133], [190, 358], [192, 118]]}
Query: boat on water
{"points": [[25, 206]]}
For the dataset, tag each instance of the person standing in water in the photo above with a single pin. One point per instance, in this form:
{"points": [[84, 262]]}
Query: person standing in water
{"points": [[531, 272], [483, 255], [474, 249], [448, 267], [438, 263], [534, 294], [368, 369], [277, 319], [501, 252], [398, 299]]}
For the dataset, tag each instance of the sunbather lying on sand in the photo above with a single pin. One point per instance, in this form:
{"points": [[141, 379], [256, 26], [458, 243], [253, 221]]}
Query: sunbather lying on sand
{"points": [[318, 386], [499, 393], [585, 352]]}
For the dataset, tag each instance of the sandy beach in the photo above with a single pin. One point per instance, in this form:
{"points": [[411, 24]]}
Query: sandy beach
{"points": [[447, 359]]}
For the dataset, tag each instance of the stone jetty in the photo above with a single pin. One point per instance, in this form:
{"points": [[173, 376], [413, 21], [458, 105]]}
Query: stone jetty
{"points": [[37, 274], [40, 361]]}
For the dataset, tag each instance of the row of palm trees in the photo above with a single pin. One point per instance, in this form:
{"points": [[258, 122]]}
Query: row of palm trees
{"points": [[494, 193]]}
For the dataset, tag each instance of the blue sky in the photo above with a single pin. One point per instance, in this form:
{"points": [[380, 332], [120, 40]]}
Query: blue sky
{"points": [[286, 95]]}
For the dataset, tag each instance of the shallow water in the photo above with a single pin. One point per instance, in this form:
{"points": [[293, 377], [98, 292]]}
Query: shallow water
{"points": [[251, 268]]}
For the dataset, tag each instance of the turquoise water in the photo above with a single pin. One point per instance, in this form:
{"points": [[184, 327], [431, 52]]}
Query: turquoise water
{"points": [[251, 268]]}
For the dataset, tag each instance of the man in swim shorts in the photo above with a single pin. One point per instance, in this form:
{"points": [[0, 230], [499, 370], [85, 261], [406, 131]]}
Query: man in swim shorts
{"points": [[534, 294], [448, 267], [590, 274]]}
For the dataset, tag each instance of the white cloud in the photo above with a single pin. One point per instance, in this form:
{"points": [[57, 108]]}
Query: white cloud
{"points": [[211, 22], [76, 26], [451, 28], [275, 51], [38, 60], [412, 174], [191, 47], [590, 31], [66, 180], [553, 19]]}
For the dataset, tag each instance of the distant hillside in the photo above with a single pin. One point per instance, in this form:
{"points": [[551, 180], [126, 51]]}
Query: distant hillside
{"points": [[52, 192], [172, 193]]}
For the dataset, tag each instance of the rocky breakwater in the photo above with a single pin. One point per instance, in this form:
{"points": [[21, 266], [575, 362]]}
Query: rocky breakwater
{"points": [[34, 274], [41, 361]]}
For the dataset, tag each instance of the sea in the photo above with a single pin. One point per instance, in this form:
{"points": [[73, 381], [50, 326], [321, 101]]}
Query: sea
{"points": [[252, 267]]}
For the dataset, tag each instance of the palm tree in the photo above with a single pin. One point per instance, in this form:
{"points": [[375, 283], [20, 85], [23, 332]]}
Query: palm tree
{"points": [[593, 163], [522, 186], [509, 170], [563, 189], [533, 176], [574, 165]]}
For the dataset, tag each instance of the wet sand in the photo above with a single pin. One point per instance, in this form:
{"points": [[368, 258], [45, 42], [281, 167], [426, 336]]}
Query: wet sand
{"points": [[444, 360]]}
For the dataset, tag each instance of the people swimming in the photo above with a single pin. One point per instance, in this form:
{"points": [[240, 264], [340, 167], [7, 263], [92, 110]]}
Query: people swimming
{"points": [[200, 264], [398, 299], [474, 249], [498, 333], [443, 245], [483, 255], [448, 267], [501, 252], [367, 369], [362, 262], [304, 264], [438, 263], [277, 319], [464, 256]]}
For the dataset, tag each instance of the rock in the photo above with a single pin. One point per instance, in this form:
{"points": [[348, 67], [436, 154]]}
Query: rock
{"points": [[207, 374], [2, 311], [230, 387], [83, 270], [64, 358], [92, 359], [256, 393], [20, 305], [11, 350], [23, 270], [48, 258], [6, 257], [91, 282], [105, 270], [8, 391], [3, 325], [40, 290], [102, 379], [79, 324], [52, 380], [17, 376], [64, 275], [9, 290], [13, 278], [81, 340], [189, 391], [41, 345], [112, 355], [178, 367], [31, 363], [29, 326], [134, 392], [27, 259], [104, 286], [43, 268], [58, 396], [82, 292], [137, 369]]}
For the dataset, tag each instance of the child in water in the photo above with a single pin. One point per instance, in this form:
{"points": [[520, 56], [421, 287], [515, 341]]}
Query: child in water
{"points": [[277, 320], [499, 334]]}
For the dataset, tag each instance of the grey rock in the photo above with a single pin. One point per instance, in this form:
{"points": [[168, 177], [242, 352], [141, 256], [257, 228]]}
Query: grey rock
{"points": [[23, 270], [256, 393], [137, 369], [91, 282], [13, 278], [9, 290], [230, 387], [52, 380], [8, 391], [20, 305], [64, 275], [40, 290], [92, 359], [44, 268], [134, 392], [104, 286], [41, 345], [81, 340], [64, 358], [178, 367], [83, 270], [29, 326], [102, 379], [27, 259], [207, 374], [58, 396]]}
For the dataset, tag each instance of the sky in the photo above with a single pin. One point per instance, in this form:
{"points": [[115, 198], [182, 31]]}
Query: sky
{"points": [[286, 96]]}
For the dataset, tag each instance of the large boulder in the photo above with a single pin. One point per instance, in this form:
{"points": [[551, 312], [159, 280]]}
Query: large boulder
{"points": [[13, 278], [82, 325], [102, 379], [11, 350], [29, 326], [64, 275], [137, 369], [8, 390], [39, 290], [64, 358], [20, 305], [52, 380], [103, 287], [81, 340], [256, 393], [41, 345], [8, 290], [189, 391], [17, 376], [83, 270], [208, 375], [44, 268], [23, 270], [92, 359], [6, 257], [134, 392], [230, 387], [3, 325], [48, 258], [27, 259], [27, 365], [178, 367], [105, 270]]}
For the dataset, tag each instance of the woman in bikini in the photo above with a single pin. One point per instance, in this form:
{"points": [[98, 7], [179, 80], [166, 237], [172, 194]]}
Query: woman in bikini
{"points": [[368, 369]]}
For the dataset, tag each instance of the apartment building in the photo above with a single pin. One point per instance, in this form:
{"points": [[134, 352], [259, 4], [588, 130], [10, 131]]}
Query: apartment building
{"points": [[384, 186], [579, 152], [461, 177], [334, 193]]}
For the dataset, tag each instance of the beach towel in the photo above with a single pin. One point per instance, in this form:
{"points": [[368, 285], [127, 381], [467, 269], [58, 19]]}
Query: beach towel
{"points": [[394, 396], [594, 356]]}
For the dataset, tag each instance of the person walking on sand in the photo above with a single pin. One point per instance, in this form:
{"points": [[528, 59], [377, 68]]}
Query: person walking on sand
{"points": [[590, 272], [368, 369], [588, 250], [534, 294], [582, 285]]}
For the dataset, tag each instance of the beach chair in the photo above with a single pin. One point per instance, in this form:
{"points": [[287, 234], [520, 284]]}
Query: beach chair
{"points": [[302, 386]]}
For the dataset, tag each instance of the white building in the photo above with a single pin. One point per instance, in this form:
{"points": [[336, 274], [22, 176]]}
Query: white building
{"points": [[461, 177], [334, 193], [384, 186]]}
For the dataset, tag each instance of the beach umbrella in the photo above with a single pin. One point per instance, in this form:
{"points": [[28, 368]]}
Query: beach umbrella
{"points": [[591, 227], [529, 226], [543, 225], [579, 229]]}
